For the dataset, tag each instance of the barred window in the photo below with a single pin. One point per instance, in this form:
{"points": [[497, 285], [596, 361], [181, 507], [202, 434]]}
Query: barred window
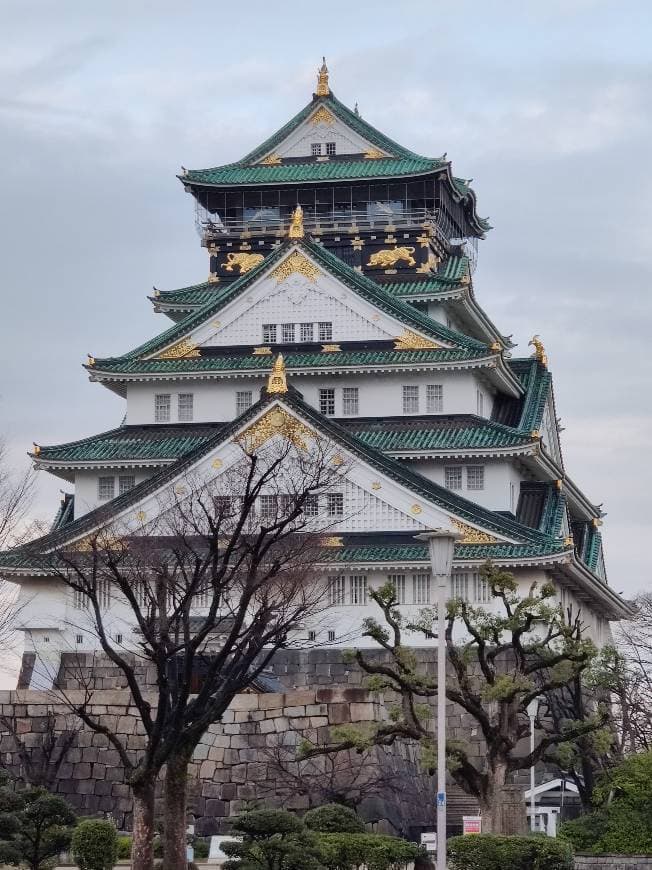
{"points": [[453, 477], [79, 638], [243, 400], [398, 582], [79, 600], [103, 592], [307, 331], [337, 591], [331, 635], [434, 398], [269, 333], [325, 330], [105, 488], [480, 403], [475, 477], [335, 504], [268, 506], [410, 399], [358, 586], [330, 148], [118, 638], [350, 401], [287, 333], [481, 590], [202, 597], [327, 402], [421, 588], [185, 407], [459, 586], [315, 149], [312, 635], [125, 483], [311, 505], [162, 404]]}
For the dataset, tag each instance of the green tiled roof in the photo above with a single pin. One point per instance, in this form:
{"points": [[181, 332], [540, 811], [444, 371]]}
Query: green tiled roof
{"points": [[463, 552], [437, 433], [536, 380]]}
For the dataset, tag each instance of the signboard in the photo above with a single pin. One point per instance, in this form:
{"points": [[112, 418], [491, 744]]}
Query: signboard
{"points": [[471, 824], [441, 798], [429, 840]]}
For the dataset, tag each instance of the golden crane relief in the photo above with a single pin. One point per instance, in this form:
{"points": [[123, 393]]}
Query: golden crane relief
{"points": [[390, 256], [277, 381], [275, 422], [409, 340], [296, 262], [322, 116], [245, 262], [471, 535], [271, 160], [539, 350], [296, 225], [180, 350], [373, 154], [322, 80]]}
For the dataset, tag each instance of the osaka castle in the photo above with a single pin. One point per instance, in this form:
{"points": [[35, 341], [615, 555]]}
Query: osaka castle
{"points": [[343, 262]]}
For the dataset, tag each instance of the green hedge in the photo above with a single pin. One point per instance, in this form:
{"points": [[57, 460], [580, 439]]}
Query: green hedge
{"points": [[95, 845], [618, 829], [124, 847], [492, 852]]}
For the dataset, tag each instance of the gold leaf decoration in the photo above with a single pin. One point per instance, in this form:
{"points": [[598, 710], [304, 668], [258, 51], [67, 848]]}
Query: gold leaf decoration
{"points": [[390, 256], [217, 463], [182, 349], [470, 535], [262, 351], [376, 484], [322, 116], [323, 89], [332, 541], [373, 154], [416, 509], [409, 340], [271, 160], [275, 422], [245, 262], [330, 348], [277, 381], [296, 224], [296, 262]]}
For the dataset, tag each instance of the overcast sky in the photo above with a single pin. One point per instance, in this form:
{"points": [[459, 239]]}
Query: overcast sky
{"points": [[547, 105]]}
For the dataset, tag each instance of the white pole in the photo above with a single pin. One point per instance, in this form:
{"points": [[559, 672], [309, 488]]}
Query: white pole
{"points": [[532, 710]]}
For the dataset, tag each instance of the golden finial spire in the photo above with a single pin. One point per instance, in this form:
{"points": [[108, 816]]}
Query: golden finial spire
{"points": [[296, 227], [277, 381], [539, 350], [322, 80]]}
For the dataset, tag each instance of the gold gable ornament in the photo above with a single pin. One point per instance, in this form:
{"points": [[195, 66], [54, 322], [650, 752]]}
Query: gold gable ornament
{"points": [[471, 535], [539, 350], [296, 262], [276, 421], [277, 381], [323, 89], [409, 340], [271, 160], [245, 262], [322, 116], [181, 350], [296, 225]]}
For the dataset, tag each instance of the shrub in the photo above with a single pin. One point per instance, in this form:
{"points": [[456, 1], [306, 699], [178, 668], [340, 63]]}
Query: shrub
{"points": [[492, 852], [202, 847], [95, 845], [124, 847], [333, 819], [618, 829], [374, 851]]}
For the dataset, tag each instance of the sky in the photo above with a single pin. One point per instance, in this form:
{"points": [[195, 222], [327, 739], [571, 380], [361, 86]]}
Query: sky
{"points": [[546, 105]]}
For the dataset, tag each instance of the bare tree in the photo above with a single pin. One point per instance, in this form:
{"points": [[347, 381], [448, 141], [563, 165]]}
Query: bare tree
{"points": [[242, 545], [37, 765]]}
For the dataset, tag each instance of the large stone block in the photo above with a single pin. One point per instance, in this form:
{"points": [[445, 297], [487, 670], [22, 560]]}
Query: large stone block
{"points": [[244, 702]]}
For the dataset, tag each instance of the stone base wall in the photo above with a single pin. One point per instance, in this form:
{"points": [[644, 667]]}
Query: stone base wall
{"points": [[612, 862]]}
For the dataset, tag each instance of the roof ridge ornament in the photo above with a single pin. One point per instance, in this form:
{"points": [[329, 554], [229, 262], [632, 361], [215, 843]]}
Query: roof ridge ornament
{"points": [[323, 89], [539, 350], [296, 226], [277, 381]]}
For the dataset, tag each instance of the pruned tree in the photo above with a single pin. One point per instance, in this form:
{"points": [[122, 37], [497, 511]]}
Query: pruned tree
{"points": [[500, 660], [219, 580], [630, 673]]}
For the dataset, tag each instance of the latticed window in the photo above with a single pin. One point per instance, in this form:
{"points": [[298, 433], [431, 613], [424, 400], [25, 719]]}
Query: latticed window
{"points": [[327, 402], [269, 333], [103, 592], [202, 597], [268, 506], [358, 587], [312, 635], [315, 149], [325, 330], [105, 488], [350, 401], [434, 398], [331, 635], [410, 399], [79, 600], [311, 505], [481, 590], [453, 477], [480, 402], [337, 591], [162, 404], [475, 477], [185, 407], [398, 582], [125, 483], [287, 333], [306, 331], [460, 586], [243, 399], [330, 148], [335, 504], [421, 588]]}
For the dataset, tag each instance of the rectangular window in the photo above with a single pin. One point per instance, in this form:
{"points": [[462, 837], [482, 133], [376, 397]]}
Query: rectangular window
{"points": [[460, 586], [327, 402], [421, 588], [453, 477], [411, 400], [480, 402], [105, 488], [398, 582], [162, 405], [350, 401], [125, 483], [103, 592], [269, 333], [481, 591], [434, 398], [358, 587], [79, 638], [331, 635], [475, 476], [201, 597], [312, 635], [79, 600], [337, 591], [325, 330], [118, 638], [311, 505], [330, 148], [287, 333], [307, 331], [335, 504], [512, 498], [243, 400], [185, 407], [268, 506], [315, 149]]}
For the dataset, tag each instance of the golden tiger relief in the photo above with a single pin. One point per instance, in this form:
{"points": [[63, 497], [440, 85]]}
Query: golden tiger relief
{"points": [[246, 262], [390, 256]]}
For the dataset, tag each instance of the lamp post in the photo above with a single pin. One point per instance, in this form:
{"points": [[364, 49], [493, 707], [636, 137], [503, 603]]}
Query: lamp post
{"points": [[441, 543], [532, 710]]}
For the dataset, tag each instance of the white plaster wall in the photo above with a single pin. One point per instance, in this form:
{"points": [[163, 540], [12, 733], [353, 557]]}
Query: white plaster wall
{"points": [[86, 483], [298, 142], [498, 475]]}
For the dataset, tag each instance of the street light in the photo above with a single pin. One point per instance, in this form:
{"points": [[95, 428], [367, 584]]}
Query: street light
{"points": [[441, 543], [532, 710]]}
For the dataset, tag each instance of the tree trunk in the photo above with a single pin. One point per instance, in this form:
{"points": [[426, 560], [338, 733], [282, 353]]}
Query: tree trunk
{"points": [[142, 849], [174, 824], [502, 806]]}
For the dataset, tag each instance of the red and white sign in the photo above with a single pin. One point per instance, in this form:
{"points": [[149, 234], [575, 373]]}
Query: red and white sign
{"points": [[471, 824]]}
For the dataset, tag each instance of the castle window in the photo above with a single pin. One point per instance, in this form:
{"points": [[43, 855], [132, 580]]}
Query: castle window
{"points": [[481, 590], [185, 407], [335, 504], [475, 477], [327, 402], [243, 399], [411, 400], [125, 483], [331, 635], [358, 586], [315, 149], [325, 331], [307, 331], [350, 401], [103, 593], [79, 600], [268, 506], [311, 505], [453, 477], [79, 638], [460, 586], [398, 582], [162, 403], [118, 638], [287, 332], [479, 395], [337, 591], [312, 635], [269, 333], [46, 638], [105, 488], [421, 588], [434, 398], [330, 148]]}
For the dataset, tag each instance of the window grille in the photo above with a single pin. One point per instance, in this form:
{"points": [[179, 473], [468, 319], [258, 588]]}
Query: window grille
{"points": [[335, 504], [287, 333], [79, 600], [475, 477], [480, 403], [46, 638], [410, 399], [315, 149], [125, 483], [103, 593], [243, 400], [307, 331], [268, 506], [79, 638], [327, 402], [105, 488], [202, 597], [481, 590], [337, 591], [453, 477], [311, 505], [185, 407], [398, 582], [434, 398], [325, 330], [459, 586], [331, 635], [421, 588], [358, 586], [350, 401], [331, 148], [269, 333], [162, 403]]}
